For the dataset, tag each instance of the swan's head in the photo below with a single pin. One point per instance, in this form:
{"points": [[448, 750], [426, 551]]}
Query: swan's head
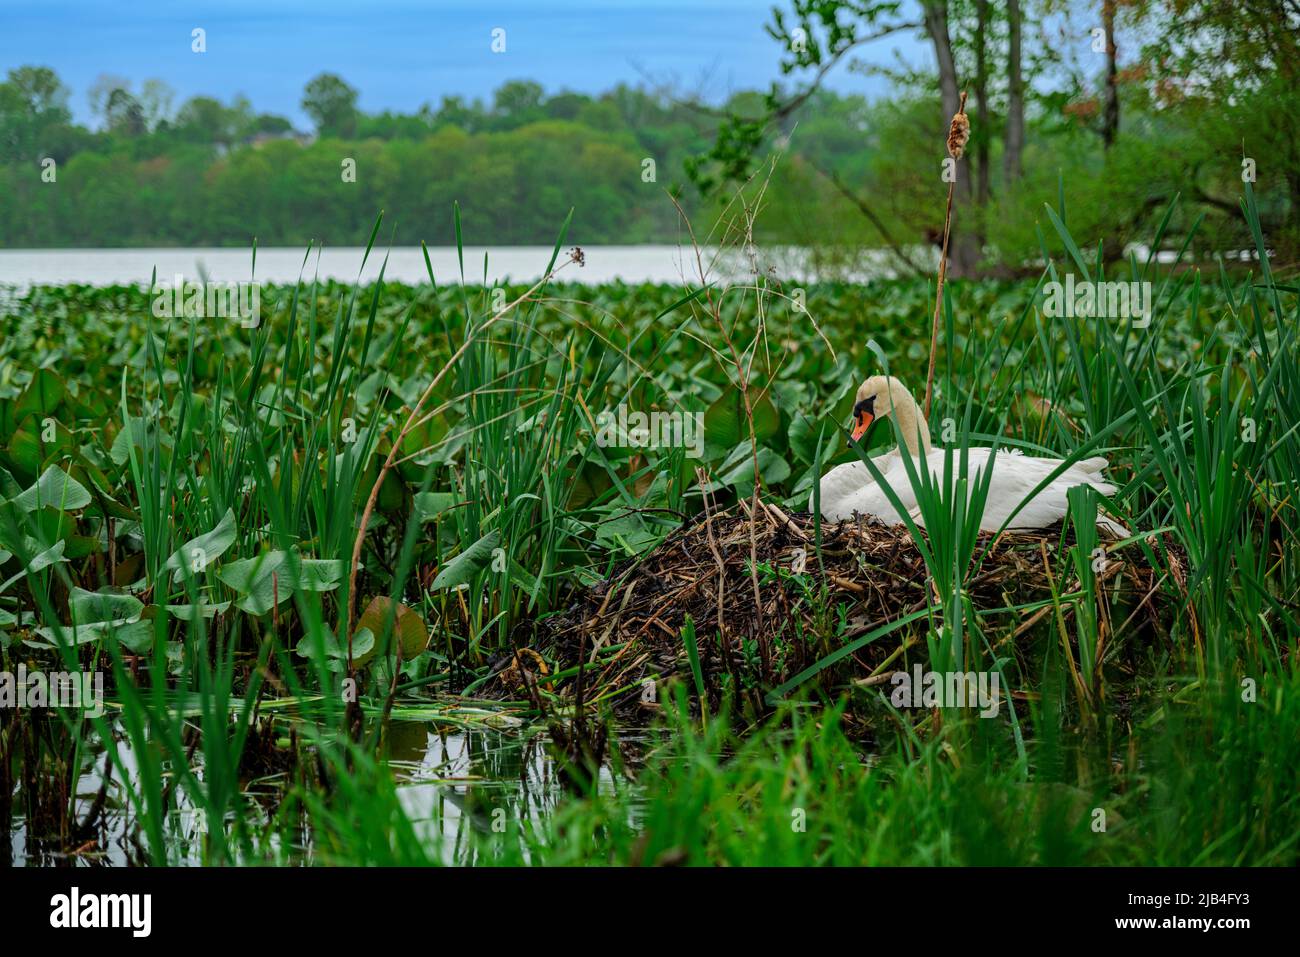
{"points": [[875, 400]]}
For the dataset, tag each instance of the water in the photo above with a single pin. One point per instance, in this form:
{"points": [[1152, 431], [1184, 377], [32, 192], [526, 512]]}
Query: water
{"points": [[450, 782], [101, 267], [22, 268]]}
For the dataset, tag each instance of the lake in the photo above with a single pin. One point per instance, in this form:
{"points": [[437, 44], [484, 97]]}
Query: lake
{"points": [[630, 264], [100, 267]]}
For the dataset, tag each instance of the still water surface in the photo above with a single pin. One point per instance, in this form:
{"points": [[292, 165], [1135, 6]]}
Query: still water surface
{"points": [[100, 267], [450, 783]]}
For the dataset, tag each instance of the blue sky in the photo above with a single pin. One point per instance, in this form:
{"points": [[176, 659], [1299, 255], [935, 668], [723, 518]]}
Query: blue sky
{"points": [[403, 53]]}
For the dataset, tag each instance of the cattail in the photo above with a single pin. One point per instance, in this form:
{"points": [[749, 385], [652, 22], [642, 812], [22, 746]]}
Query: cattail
{"points": [[959, 131], [958, 134]]}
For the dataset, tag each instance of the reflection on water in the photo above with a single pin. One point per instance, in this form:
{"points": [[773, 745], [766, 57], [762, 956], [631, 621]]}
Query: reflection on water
{"points": [[452, 783], [487, 781]]}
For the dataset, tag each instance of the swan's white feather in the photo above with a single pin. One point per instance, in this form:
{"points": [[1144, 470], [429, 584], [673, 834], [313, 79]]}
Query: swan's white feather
{"points": [[850, 489]]}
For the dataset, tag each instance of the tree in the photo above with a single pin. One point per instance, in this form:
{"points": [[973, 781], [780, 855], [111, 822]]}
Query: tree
{"points": [[964, 248], [816, 35], [156, 102], [1014, 141], [982, 139], [454, 111], [271, 123], [517, 102], [101, 93], [566, 106], [202, 119], [33, 103], [124, 115], [1110, 115], [41, 91], [332, 105], [1231, 75]]}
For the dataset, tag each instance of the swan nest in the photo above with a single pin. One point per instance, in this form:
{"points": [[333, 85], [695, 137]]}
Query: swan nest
{"points": [[629, 626]]}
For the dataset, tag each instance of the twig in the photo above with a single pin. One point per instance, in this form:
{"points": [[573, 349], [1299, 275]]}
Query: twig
{"points": [[702, 477], [869, 213]]}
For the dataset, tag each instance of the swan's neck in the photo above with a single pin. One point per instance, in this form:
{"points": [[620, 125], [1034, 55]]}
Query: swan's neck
{"points": [[911, 422]]}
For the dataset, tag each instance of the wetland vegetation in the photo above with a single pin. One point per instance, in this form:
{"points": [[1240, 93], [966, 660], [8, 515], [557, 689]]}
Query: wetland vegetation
{"points": [[182, 498], [443, 571]]}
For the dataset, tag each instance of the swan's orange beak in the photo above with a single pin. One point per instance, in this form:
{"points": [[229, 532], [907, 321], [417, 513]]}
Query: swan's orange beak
{"points": [[861, 422]]}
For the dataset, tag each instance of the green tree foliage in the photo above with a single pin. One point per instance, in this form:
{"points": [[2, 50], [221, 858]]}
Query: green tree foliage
{"points": [[216, 173], [34, 113], [1170, 97], [332, 105], [1197, 91]]}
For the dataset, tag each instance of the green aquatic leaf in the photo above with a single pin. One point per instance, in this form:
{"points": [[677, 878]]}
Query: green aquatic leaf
{"points": [[590, 483], [55, 488], [8, 486], [137, 636], [462, 569], [41, 559], [48, 525], [725, 422], [408, 627], [205, 548], [336, 653], [31, 446], [195, 612], [270, 579], [803, 436], [101, 614], [628, 532], [429, 505], [42, 395], [105, 605], [738, 470], [138, 432]]}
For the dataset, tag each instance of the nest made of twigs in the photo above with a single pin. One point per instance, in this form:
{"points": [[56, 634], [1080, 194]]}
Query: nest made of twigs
{"points": [[873, 574]]}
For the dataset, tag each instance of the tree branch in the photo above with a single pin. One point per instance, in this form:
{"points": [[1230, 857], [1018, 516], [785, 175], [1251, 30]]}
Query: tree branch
{"points": [[869, 213]]}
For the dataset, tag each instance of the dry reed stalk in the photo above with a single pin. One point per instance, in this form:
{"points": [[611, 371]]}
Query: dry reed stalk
{"points": [[958, 134]]}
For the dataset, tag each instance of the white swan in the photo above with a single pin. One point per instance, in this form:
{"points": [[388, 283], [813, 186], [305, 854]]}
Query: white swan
{"points": [[849, 489]]}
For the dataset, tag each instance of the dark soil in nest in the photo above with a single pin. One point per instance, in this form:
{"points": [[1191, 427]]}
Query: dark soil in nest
{"points": [[873, 574]]}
